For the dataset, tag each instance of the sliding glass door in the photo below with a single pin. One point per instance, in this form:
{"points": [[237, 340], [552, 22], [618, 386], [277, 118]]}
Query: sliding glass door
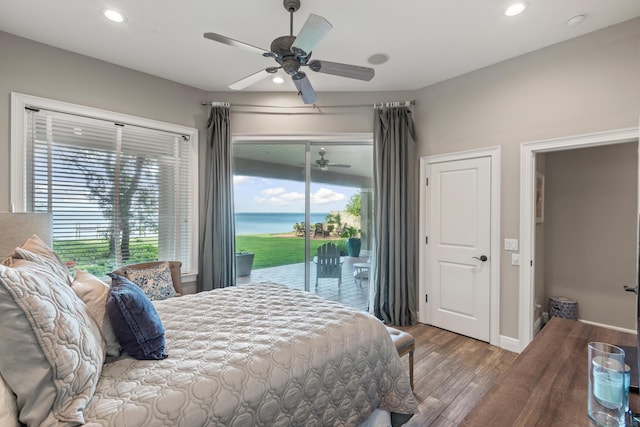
{"points": [[341, 175], [293, 201]]}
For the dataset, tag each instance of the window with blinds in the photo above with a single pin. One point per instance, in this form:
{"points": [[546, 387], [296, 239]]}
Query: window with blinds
{"points": [[120, 194]]}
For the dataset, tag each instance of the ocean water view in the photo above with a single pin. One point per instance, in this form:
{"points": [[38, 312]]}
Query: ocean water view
{"points": [[272, 222]]}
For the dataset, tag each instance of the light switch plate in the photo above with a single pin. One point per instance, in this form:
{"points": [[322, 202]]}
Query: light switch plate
{"points": [[515, 259], [510, 244]]}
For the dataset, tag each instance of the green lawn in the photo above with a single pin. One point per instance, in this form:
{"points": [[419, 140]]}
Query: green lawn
{"points": [[272, 251], [93, 255]]}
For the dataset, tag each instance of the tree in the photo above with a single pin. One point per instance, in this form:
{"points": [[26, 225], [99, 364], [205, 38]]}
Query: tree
{"points": [[354, 205], [334, 218], [137, 197]]}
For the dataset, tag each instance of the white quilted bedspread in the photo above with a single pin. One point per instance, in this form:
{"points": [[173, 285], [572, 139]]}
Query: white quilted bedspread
{"points": [[257, 355]]}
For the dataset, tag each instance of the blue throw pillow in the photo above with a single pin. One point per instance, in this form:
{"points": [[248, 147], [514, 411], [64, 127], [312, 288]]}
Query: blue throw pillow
{"points": [[135, 320]]}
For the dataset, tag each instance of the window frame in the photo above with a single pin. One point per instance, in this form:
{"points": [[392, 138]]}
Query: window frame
{"points": [[18, 158]]}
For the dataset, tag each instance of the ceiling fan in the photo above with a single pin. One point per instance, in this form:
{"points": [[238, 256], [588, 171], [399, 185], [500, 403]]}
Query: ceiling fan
{"points": [[293, 52], [325, 164]]}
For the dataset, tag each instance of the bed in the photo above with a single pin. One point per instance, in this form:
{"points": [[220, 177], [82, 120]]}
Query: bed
{"points": [[258, 355]]}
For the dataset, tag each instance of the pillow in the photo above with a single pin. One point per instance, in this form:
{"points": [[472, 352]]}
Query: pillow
{"points": [[35, 245], [8, 406], [155, 280], [94, 293], [49, 263], [134, 320], [51, 354]]}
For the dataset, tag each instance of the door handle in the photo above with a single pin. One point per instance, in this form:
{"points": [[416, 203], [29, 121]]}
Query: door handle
{"points": [[482, 258], [630, 289]]}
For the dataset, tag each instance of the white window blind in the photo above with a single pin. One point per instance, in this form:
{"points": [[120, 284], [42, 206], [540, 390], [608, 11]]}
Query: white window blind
{"points": [[119, 194]]}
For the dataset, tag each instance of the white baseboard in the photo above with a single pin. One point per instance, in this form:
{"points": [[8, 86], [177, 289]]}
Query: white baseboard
{"points": [[615, 328], [537, 324], [511, 344]]}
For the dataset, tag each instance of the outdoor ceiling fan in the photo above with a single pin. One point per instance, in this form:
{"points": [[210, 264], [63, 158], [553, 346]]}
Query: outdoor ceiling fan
{"points": [[325, 164], [293, 52]]}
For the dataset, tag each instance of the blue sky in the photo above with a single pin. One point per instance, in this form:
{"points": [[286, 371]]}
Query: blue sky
{"points": [[255, 194]]}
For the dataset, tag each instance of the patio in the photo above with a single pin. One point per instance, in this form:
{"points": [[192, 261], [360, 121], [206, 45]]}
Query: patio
{"points": [[350, 293]]}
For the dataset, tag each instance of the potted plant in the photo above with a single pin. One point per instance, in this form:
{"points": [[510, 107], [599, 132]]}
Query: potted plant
{"points": [[244, 263], [353, 242]]}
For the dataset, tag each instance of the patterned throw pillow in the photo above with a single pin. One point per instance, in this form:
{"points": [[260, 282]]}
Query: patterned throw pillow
{"points": [[154, 281], [135, 320]]}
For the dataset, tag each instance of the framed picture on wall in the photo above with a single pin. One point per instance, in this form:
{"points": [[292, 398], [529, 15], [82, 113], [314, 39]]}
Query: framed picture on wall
{"points": [[539, 197]]}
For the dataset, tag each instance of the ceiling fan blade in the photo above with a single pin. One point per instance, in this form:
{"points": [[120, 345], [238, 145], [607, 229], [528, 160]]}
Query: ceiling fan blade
{"points": [[343, 70], [337, 165], [249, 80], [235, 43], [305, 90], [313, 30]]}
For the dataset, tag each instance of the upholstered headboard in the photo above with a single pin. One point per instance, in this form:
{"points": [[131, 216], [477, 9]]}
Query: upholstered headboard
{"points": [[17, 227]]}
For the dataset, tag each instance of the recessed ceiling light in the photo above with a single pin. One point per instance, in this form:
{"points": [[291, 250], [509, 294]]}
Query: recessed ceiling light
{"points": [[113, 15], [278, 80], [378, 58], [516, 8], [576, 20]]}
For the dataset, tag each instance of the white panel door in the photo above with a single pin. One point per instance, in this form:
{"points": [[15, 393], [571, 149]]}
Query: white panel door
{"points": [[459, 246]]}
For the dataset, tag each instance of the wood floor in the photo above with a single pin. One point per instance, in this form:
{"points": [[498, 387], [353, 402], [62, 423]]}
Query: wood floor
{"points": [[451, 374]]}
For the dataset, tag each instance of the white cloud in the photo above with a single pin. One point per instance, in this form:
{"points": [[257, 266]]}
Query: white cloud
{"points": [[259, 200], [325, 195], [274, 191], [239, 179], [292, 196], [286, 199]]}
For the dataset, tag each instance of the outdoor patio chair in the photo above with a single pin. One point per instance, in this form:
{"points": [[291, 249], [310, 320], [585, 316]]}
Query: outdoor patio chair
{"points": [[328, 263], [318, 230]]}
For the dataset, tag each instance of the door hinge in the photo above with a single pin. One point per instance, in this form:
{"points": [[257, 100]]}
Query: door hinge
{"points": [[427, 182], [426, 240], [531, 263], [426, 297]]}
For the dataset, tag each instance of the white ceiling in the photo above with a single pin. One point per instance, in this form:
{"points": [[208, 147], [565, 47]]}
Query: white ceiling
{"points": [[427, 40]]}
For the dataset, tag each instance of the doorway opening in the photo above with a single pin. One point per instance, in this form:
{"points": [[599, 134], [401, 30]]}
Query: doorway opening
{"points": [[528, 218], [298, 199]]}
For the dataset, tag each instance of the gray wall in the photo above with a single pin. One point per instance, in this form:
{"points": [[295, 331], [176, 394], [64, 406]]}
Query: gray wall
{"points": [[590, 224], [36, 69], [584, 85]]}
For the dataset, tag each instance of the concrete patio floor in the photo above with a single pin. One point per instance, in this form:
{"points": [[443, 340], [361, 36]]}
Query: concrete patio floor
{"points": [[350, 292]]}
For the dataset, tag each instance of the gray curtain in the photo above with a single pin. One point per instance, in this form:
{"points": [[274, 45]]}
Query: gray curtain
{"points": [[395, 226], [217, 257]]}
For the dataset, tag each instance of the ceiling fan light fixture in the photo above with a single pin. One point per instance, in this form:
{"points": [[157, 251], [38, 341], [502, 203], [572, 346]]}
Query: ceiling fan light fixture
{"points": [[293, 52], [515, 9], [113, 15]]}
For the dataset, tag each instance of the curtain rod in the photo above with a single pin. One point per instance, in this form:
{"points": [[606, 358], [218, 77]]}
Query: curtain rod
{"points": [[313, 106]]}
